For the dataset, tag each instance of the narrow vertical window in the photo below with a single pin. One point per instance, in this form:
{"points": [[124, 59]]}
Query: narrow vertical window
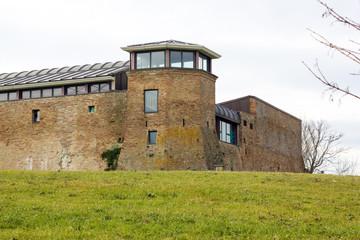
{"points": [[36, 116], [151, 101], [152, 137]]}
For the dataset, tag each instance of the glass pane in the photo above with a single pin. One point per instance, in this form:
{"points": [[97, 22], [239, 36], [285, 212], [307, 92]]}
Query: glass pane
{"points": [[151, 101], [152, 137], [35, 93], [227, 128], [205, 64], [158, 59], [25, 94], [3, 96], [175, 59], [223, 131], [228, 138], [188, 59], [12, 96], [200, 62], [142, 60], [104, 87], [57, 91], [47, 92], [71, 90], [81, 89], [94, 88]]}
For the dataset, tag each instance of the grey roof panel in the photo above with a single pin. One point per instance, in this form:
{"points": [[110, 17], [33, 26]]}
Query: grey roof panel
{"points": [[64, 73], [227, 113]]}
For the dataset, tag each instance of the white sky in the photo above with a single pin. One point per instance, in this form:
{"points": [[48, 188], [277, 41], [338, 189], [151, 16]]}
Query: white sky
{"points": [[262, 43]]}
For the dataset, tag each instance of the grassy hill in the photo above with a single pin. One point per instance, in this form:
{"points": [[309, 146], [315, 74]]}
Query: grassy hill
{"points": [[178, 205]]}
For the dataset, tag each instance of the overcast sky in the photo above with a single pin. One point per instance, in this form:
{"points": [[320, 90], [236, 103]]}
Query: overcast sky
{"points": [[262, 43]]}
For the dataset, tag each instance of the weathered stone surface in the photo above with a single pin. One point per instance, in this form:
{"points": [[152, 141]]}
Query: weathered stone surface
{"points": [[186, 113], [68, 136]]}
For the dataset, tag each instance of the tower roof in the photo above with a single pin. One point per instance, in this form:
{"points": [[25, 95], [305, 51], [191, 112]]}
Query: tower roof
{"points": [[171, 44]]}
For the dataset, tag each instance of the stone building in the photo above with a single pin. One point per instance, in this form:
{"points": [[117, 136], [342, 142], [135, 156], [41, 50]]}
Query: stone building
{"points": [[158, 107]]}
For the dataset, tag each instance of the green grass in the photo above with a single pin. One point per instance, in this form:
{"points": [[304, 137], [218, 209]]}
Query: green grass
{"points": [[178, 205]]}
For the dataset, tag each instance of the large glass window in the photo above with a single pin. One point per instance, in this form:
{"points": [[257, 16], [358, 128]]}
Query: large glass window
{"points": [[227, 132], [181, 59], [154, 59], [158, 59], [151, 101], [142, 60], [78, 89]]}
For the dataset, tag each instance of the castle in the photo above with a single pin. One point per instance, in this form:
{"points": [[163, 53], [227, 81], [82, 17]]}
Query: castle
{"points": [[158, 107]]}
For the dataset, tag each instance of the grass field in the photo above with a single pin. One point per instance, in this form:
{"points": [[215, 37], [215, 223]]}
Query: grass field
{"points": [[178, 205]]}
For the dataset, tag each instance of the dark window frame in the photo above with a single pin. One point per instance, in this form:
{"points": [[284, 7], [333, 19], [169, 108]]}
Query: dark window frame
{"points": [[233, 132], [150, 142], [35, 116], [150, 60], [202, 57], [182, 58]]}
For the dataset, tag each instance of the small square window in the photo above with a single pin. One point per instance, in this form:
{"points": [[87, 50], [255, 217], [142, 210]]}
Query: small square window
{"points": [[152, 137], [36, 116], [91, 109]]}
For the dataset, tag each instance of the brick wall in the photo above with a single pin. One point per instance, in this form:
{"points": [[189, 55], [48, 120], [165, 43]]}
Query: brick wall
{"points": [[67, 137], [186, 113]]}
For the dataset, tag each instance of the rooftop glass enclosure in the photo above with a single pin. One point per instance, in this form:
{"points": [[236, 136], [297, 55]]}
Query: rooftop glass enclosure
{"points": [[170, 54]]}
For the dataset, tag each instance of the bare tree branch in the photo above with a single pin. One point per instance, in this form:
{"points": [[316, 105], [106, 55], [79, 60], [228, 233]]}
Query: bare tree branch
{"points": [[320, 145], [353, 55]]}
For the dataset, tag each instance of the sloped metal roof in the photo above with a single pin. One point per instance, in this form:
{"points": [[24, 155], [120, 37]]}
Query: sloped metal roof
{"points": [[227, 113], [171, 44], [64, 73]]}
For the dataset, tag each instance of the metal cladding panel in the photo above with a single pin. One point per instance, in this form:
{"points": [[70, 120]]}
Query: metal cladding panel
{"points": [[227, 114], [239, 105], [65, 73]]}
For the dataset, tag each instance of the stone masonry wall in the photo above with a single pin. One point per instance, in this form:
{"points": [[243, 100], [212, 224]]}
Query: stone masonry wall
{"points": [[275, 141], [68, 136], [186, 112]]}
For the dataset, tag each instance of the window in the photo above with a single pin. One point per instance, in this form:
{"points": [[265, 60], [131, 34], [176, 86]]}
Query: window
{"points": [[25, 94], [227, 132], [57, 91], [47, 92], [77, 89], [151, 101], [251, 126], [36, 93], [91, 109], [3, 96], [36, 116], [99, 87], [181, 59], [154, 59], [204, 62], [152, 137], [245, 123]]}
